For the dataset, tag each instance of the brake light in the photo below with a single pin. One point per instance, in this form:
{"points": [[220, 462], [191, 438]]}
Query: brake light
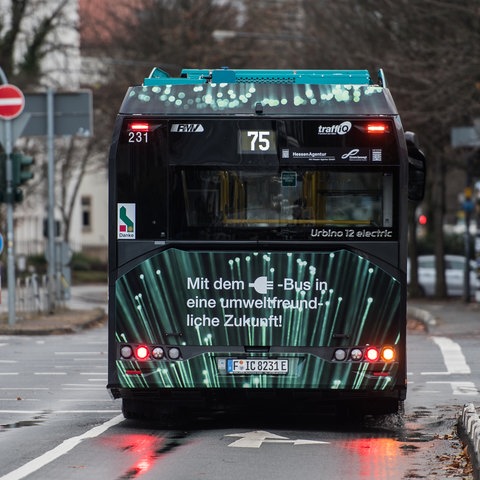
{"points": [[372, 354], [377, 128], [139, 127], [141, 352]]}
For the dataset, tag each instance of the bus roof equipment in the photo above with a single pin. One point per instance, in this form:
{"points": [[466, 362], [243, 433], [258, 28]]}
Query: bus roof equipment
{"points": [[301, 77]]}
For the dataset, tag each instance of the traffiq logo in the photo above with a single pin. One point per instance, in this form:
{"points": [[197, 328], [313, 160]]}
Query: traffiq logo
{"points": [[338, 129]]}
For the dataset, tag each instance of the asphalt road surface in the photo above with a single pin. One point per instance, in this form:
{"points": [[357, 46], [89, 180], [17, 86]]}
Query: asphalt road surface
{"points": [[58, 421]]}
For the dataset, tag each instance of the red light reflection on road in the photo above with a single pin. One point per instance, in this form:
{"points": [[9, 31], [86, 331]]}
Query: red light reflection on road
{"points": [[373, 457], [144, 447]]}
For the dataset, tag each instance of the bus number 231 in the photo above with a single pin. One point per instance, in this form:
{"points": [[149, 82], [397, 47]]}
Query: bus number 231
{"points": [[137, 137]]}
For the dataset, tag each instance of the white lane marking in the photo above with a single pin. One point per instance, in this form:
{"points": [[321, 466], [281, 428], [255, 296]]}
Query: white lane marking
{"points": [[435, 373], [256, 438], [77, 353], [452, 357], [461, 388], [50, 373], [85, 400], [58, 451], [24, 388]]}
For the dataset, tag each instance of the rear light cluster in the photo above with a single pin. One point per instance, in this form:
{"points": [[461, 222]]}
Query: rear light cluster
{"points": [[145, 352], [369, 354]]}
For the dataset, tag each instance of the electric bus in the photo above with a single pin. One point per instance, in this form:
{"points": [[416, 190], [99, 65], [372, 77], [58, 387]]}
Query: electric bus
{"points": [[258, 241]]}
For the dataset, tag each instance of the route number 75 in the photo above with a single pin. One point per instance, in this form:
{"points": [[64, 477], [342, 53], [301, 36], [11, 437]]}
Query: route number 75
{"points": [[260, 140]]}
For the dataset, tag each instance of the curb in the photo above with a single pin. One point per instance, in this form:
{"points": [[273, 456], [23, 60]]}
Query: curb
{"points": [[422, 315], [469, 428], [94, 317]]}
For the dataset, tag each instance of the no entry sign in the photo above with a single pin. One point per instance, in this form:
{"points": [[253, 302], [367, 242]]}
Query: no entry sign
{"points": [[12, 101]]}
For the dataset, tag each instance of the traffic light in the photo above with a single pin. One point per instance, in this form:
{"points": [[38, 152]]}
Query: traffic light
{"points": [[21, 168], [3, 178], [20, 174]]}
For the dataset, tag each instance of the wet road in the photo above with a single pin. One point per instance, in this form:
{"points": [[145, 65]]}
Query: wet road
{"points": [[58, 421]]}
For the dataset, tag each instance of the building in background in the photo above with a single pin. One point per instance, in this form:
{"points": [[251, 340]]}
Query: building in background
{"points": [[63, 69]]}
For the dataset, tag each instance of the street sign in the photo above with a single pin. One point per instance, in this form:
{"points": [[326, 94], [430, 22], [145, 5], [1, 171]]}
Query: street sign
{"points": [[72, 113], [12, 101], [465, 137]]}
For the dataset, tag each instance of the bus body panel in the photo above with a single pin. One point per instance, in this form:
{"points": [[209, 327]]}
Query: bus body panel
{"points": [[302, 306]]}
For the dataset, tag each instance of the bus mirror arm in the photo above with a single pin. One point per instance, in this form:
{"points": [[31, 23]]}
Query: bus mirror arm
{"points": [[416, 169]]}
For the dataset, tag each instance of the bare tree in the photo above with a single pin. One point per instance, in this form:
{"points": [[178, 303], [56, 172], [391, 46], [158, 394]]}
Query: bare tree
{"points": [[26, 37], [429, 50]]}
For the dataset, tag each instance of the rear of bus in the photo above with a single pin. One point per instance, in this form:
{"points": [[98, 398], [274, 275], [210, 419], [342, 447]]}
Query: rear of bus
{"points": [[258, 242]]}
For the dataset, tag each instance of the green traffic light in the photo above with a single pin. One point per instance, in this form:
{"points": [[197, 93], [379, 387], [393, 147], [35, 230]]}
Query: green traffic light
{"points": [[3, 178], [21, 168]]}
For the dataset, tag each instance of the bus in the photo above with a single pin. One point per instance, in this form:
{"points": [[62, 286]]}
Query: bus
{"points": [[258, 241]]}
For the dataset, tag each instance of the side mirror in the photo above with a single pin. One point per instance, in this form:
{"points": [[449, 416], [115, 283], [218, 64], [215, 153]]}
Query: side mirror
{"points": [[416, 169]]}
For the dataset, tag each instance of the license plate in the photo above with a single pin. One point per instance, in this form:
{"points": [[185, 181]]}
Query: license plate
{"points": [[262, 366]]}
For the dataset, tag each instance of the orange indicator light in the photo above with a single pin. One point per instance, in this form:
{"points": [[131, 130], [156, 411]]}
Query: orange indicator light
{"points": [[388, 354]]}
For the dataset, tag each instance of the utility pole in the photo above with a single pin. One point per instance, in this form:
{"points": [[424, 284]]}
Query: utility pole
{"points": [[51, 201]]}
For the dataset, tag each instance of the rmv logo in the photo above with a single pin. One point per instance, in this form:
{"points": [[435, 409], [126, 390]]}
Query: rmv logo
{"points": [[187, 127]]}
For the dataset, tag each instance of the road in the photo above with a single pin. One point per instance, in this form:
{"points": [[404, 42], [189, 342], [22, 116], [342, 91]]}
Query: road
{"points": [[58, 421]]}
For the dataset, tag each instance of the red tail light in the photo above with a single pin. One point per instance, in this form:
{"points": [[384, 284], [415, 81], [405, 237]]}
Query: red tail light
{"points": [[141, 352], [139, 127], [372, 354], [377, 128]]}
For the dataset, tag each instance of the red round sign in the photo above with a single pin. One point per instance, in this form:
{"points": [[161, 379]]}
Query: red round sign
{"points": [[12, 101]]}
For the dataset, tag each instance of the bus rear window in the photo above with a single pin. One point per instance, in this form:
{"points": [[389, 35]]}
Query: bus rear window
{"points": [[251, 203]]}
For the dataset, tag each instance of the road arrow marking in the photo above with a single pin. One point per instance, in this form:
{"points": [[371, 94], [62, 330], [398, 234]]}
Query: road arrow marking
{"points": [[256, 438]]}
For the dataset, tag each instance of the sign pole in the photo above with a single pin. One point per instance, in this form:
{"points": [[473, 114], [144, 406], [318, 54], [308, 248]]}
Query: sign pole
{"points": [[51, 201], [12, 103], [10, 237]]}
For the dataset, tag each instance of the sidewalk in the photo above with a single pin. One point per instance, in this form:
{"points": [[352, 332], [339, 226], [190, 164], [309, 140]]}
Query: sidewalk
{"points": [[454, 318], [86, 308], [446, 317]]}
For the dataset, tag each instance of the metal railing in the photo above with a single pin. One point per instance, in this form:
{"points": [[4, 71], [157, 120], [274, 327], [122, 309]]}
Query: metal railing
{"points": [[32, 293]]}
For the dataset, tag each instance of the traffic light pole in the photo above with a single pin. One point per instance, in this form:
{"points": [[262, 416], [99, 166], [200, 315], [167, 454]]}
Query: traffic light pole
{"points": [[10, 240], [9, 194]]}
